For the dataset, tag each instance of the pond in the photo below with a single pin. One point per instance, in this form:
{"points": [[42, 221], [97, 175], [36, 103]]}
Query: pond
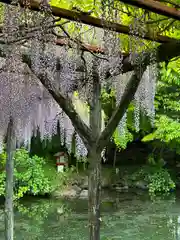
{"points": [[125, 216]]}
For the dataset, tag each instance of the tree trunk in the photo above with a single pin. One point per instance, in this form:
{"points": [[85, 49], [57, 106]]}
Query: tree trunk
{"points": [[95, 157], [9, 214], [94, 195]]}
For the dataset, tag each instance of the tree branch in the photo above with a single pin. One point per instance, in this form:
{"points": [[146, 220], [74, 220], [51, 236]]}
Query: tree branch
{"points": [[157, 20], [164, 52], [66, 104], [95, 103], [82, 45], [118, 113]]}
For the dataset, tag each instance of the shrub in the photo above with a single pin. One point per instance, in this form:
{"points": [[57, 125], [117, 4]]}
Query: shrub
{"points": [[157, 178], [29, 176], [161, 181]]}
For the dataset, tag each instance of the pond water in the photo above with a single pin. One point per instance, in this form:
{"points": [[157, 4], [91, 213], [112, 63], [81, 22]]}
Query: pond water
{"points": [[124, 216]]}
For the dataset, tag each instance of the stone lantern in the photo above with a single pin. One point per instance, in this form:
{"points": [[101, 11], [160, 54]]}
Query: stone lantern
{"points": [[61, 161]]}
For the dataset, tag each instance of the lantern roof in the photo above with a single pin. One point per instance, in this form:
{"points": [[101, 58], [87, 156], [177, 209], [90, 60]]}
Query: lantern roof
{"points": [[59, 154]]}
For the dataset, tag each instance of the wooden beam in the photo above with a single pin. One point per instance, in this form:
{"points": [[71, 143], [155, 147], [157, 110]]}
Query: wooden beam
{"points": [[92, 21], [155, 7], [176, 5]]}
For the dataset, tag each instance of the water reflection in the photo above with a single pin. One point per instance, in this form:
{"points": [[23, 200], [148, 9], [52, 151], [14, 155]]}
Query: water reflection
{"points": [[125, 216]]}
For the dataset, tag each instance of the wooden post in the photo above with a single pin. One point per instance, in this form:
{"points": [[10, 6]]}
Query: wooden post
{"points": [[9, 213]]}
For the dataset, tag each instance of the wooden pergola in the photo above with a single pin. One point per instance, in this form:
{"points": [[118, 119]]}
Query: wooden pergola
{"points": [[169, 47], [94, 139]]}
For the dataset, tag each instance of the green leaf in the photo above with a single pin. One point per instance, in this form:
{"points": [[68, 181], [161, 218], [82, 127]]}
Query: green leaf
{"points": [[149, 137]]}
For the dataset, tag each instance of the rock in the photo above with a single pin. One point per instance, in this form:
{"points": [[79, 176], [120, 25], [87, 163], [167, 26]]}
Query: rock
{"points": [[142, 185], [75, 183], [178, 165], [2, 216], [84, 194], [178, 184], [85, 183], [121, 189], [105, 183], [76, 188], [60, 210], [70, 192]]}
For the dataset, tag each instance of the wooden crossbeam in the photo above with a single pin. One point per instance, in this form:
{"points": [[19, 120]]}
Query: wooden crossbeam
{"points": [[156, 7], [89, 20]]}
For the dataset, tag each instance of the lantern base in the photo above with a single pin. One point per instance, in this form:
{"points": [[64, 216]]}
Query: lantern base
{"points": [[60, 168]]}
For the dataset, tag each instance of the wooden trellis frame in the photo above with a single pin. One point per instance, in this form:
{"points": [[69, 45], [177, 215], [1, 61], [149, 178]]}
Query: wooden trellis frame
{"points": [[150, 5], [96, 22], [169, 48]]}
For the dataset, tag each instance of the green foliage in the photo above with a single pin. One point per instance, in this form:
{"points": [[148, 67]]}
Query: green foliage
{"points": [[166, 131], [29, 175], [121, 140], [157, 178], [161, 181], [33, 175], [168, 90], [129, 132], [167, 103], [2, 159], [2, 183], [61, 180], [108, 105], [108, 102]]}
